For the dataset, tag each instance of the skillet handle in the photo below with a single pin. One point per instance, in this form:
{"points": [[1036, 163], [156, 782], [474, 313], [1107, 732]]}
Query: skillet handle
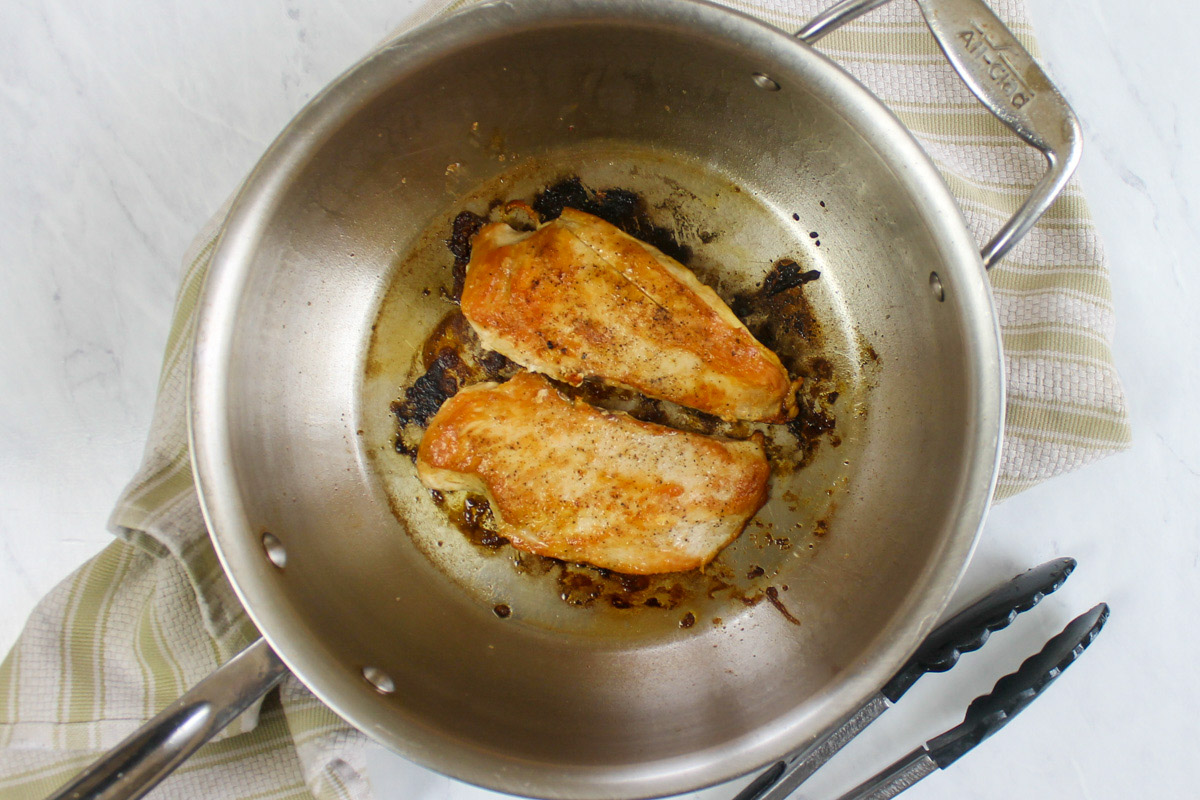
{"points": [[1007, 80], [153, 751]]}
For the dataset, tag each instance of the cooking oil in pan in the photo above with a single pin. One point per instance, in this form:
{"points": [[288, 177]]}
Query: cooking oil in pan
{"points": [[772, 273]]}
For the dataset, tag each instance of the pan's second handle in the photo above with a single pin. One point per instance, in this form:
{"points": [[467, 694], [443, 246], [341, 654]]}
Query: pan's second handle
{"points": [[1006, 79], [154, 750], [835, 17]]}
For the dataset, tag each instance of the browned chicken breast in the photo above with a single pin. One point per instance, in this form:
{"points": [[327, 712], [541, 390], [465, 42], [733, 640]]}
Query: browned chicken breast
{"points": [[578, 483], [579, 298]]}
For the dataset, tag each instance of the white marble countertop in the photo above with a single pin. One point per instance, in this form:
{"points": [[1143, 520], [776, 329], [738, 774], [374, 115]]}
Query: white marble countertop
{"points": [[124, 125]]}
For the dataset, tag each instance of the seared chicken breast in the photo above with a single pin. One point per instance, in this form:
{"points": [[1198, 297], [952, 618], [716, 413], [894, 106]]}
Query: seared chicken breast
{"points": [[574, 482], [578, 298]]}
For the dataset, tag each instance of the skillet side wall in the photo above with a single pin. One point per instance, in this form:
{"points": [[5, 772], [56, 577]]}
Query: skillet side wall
{"points": [[315, 241]]}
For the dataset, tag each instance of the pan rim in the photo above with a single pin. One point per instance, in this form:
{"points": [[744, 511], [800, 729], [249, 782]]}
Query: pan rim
{"points": [[210, 441]]}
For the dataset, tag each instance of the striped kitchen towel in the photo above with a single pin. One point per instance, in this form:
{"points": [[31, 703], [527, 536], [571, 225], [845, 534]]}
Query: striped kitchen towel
{"points": [[153, 613]]}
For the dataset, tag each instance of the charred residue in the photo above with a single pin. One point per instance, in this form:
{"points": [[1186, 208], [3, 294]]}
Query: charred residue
{"points": [[814, 403], [472, 514], [779, 315], [773, 598], [620, 207], [421, 401], [771, 595], [478, 523], [452, 358], [787, 274], [584, 585], [462, 231]]}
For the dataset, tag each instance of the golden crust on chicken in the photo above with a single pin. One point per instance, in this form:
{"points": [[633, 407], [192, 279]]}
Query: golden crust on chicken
{"points": [[578, 483], [578, 298]]}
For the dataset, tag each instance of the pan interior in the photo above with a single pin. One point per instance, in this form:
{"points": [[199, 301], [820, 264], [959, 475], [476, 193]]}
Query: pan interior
{"points": [[735, 236], [330, 275]]}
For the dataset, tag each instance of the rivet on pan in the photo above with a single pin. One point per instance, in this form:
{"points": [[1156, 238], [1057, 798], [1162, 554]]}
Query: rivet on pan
{"points": [[382, 682], [935, 283], [765, 82], [276, 552]]}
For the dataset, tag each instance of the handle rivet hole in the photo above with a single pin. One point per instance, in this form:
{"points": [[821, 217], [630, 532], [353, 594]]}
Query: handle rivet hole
{"points": [[382, 682], [766, 82], [935, 284], [276, 552]]}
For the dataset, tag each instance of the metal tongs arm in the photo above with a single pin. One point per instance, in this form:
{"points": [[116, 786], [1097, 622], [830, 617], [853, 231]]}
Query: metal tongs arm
{"points": [[989, 713], [965, 632]]}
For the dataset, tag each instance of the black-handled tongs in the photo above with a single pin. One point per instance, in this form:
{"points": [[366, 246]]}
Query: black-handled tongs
{"points": [[966, 631]]}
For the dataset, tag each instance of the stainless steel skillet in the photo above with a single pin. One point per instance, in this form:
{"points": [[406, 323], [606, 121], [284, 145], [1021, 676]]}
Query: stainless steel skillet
{"points": [[731, 129]]}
